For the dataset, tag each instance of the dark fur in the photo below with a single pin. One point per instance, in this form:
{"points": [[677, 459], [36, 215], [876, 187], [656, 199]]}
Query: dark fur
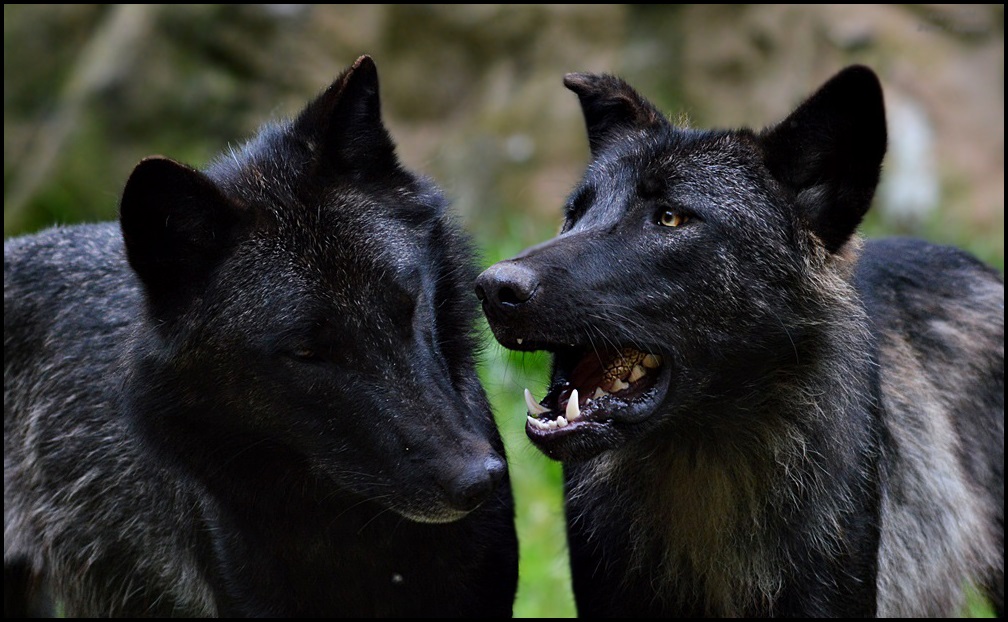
{"points": [[825, 433], [256, 394]]}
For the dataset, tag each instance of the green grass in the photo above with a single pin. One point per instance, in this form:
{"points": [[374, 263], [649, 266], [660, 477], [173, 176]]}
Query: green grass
{"points": [[544, 586], [544, 580], [977, 606]]}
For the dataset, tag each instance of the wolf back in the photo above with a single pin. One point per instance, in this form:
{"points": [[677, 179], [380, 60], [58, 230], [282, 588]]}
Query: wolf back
{"points": [[256, 393]]}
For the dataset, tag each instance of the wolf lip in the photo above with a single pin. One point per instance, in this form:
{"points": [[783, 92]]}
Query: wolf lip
{"points": [[600, 389]]}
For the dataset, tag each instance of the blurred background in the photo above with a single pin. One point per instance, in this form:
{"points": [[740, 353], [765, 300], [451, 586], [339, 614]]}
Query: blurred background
{"points": [[473, 96]]}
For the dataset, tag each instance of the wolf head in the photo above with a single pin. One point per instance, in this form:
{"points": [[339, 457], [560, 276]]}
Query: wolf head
{"points": [[690, 264], [310, 312]]}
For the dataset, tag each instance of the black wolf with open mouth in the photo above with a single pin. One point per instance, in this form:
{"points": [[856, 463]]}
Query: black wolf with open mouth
{"points": [[758, 412]]}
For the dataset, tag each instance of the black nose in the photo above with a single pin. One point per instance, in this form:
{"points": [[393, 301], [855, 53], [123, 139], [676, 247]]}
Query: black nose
{"points": [[474, 485], [505, 286]]}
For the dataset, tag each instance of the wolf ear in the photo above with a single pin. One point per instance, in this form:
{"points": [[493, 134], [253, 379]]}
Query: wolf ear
{"points": [[611, 107], [346, 124], [176, 226], [829, 152]]}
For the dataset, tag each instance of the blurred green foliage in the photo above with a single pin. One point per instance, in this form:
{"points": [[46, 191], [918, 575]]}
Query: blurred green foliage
{"points": [[544, 588]]}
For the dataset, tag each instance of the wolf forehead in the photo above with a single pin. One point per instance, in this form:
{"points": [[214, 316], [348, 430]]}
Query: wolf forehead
{"points": [[684, 167], [270, 221], [278, 174]]}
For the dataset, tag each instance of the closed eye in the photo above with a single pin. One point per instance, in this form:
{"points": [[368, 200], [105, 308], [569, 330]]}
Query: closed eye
{"points": [[305, 355]]}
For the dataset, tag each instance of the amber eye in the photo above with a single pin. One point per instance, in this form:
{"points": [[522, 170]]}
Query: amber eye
{"points": [[670, 218]]}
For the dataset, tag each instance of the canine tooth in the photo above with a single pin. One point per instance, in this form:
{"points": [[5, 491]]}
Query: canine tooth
{"points": [[573, 411], [599, 392], [619, 385], [652, 361], [636, 373], [561, 422], [533, 407], [519, 340]]}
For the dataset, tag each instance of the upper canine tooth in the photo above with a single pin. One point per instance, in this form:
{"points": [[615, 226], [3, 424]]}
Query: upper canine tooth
{"points": [[652, 361], [533, 407], [573, 410], [636, 373], [519, 340]]}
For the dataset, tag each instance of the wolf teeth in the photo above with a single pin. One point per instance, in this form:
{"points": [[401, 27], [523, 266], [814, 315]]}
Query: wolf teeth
{"points": [[629, 366], [534, 407], [540, 424], [573, 410], [636, 373], [621, 365]]}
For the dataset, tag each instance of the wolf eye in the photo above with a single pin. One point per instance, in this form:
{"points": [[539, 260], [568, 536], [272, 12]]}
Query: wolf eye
{"points": [[671, 218], [304, 354]]}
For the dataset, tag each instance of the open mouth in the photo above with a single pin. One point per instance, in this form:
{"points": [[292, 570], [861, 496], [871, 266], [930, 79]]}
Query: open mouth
{"points": [[592, 392]]}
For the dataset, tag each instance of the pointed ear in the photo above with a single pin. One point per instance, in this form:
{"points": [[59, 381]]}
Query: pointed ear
{"points": [[611, 107], [829, 153], [346, 124], [177, 227]]}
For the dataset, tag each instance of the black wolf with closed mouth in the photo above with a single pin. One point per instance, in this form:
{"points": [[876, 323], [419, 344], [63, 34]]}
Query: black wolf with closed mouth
{"points": [[759, 413], [256, 394]]}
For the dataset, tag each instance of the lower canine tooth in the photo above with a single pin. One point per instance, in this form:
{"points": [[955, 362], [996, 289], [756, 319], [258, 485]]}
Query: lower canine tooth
{"points": [[573, 411]]}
